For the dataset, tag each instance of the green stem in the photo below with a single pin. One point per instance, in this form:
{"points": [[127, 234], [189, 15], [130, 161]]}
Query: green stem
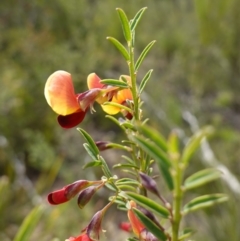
{"points": [[177, 200], [133, 80]]}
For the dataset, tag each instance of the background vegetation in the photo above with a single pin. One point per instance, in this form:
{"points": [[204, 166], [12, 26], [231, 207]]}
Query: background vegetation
{"points": [[196, 63]]}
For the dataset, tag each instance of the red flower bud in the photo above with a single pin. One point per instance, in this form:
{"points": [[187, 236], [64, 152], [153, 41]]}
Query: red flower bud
{"points": [[68, 192]]}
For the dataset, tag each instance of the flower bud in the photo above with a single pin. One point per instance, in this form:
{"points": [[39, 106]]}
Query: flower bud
{"points": [[102, 145], [94, 226], [68, 192], [149, 183], [86, 195]]}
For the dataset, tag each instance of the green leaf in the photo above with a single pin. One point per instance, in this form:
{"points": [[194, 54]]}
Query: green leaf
{"points": [[128, 159], [127, 181], [90, 151], [167, 176], [115, 82], [173, 144], [92, 164], [113, 119], [120, 47], [126, 187], [105, 168], [29, 224], [143, 54], [132, 239], [186, 233], [194, 143], [153, 150], [111, 187], [202, 177], [145, 80], [148, 204], [150, 225], [159, 156], [128, 125], [125, 24], [121, 165], [119, 146], [136, 19], [154, 135], [90, 141], [204, 202]]}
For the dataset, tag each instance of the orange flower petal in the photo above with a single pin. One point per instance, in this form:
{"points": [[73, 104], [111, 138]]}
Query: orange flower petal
{"points": [[93, 81], [59, 93], [120, 97], [123, 95], [137, 226]]}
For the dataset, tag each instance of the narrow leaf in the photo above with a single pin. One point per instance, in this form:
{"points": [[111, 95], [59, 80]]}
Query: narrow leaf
{"points": [[89, 140], [120, 47], [125, 24], [153, 150], [143, 54], [148, 204], [145, 80], [186, 233], [202, 177], [154, 135], [115, 82], [126, 187], [204, 202], [29, 224], [150, 225], [137, 18], [194, 143], [92, 164], [113, 119], [127, 181], [105, 168], [166, 176], [120, 165], [90, 151]]}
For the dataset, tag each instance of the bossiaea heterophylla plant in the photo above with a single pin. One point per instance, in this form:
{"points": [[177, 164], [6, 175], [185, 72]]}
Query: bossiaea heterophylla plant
{"points": [[149, 219]]}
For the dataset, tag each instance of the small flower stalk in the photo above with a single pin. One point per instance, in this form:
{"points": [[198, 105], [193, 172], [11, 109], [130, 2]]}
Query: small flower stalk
{"points": [[142, 150]]}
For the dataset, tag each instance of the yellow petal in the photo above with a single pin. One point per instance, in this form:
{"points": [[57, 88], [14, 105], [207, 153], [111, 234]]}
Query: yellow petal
{"points": [[111, 110]]}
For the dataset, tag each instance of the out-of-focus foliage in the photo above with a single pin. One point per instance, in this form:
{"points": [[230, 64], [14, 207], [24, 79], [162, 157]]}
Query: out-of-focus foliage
{"points": [[196, 62]]}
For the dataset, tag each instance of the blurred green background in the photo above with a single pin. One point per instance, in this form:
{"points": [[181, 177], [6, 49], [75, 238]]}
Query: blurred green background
{"points": [[196, 62]]}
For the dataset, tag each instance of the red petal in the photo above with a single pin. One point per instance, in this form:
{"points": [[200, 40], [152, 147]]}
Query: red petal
{"points": [[57, 197], [126, 226], [71, 120]]}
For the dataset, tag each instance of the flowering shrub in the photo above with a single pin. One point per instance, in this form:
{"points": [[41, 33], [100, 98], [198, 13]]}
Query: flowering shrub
{"points": [[149, 220]]}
